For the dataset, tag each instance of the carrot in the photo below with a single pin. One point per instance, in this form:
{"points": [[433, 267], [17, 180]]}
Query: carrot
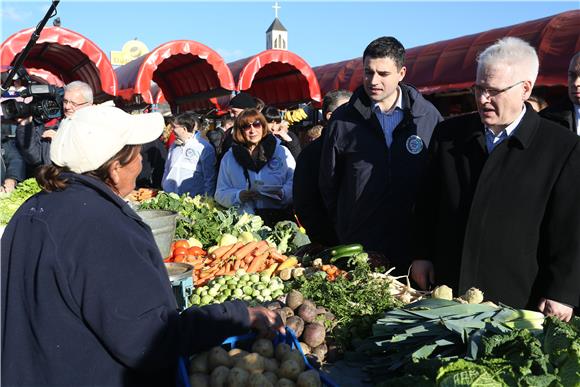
{"points": [[247, 249], [220, 251], [237, 264], [250, 257], [263, 246], [231, 251], [277, 256], [257, 262]]}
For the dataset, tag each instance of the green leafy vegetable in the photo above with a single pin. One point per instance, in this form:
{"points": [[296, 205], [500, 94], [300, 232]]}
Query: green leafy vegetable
{"points": [[9, 203]]}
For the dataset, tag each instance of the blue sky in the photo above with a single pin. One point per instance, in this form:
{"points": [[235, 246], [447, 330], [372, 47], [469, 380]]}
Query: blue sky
{"points": [[320, 32]]}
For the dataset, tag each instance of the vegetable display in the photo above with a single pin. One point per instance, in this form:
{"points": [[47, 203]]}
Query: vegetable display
{"points": [[10, 202]]}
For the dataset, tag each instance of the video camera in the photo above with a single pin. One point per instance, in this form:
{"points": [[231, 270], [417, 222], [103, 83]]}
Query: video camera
{"points": [[46, 103]]}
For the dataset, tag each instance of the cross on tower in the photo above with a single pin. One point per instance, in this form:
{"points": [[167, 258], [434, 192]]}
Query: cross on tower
{"points": [[276, 8]]}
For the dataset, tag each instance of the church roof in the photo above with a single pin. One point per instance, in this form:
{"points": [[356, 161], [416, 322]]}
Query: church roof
{"points": [[276, 25]]}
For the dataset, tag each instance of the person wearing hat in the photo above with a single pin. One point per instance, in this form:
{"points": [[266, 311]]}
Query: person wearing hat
{"points": [[86, 299]]}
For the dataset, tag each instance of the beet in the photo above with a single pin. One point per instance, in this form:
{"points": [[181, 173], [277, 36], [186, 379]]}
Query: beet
{"points": [[294, 299], [306, 312], [314, 334], [320, 352], [296, 324]]}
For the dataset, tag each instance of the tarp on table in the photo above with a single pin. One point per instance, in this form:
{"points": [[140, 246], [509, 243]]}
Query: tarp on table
{"points": [[188, 74], [450, 65], [66, 54], [278, 77]]}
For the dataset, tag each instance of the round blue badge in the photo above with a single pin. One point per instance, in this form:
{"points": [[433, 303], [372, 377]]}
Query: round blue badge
{"points": [[189, 153], [275, 163], [414, 144]]}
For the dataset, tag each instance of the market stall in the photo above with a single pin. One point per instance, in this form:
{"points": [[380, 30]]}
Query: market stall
{"points": [[187, 72], [67, 55]]}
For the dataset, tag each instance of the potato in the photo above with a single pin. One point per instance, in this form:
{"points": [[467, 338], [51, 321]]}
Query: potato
{"points": [[199, 380], [218, 356], [199, 364], [258, 380], [289, 369], [296, 356], [236, 353], [263, 347], [252, 362], [309, 378], [219, 376], [285, 383], [237, 377], [271, 376], [281, 350], [296, 324], [314, 334], [271, 365]]}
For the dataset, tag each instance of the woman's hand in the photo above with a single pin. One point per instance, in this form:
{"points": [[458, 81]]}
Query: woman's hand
{"points": [[247, 195], [266, 322]]}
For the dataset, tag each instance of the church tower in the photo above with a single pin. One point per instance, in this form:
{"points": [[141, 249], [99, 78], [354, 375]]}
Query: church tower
{"points": [[276, 35]]}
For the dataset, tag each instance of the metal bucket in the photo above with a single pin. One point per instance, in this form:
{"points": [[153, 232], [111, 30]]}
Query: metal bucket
{"points": [[162, 224]]}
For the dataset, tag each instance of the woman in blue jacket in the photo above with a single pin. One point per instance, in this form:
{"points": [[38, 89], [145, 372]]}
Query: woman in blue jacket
{"points": [[256, 173], [86, 300]]}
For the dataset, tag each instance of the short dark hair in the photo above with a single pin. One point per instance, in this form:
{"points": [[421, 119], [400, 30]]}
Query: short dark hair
{"points": [[272, 114], [386, 46], [189, 120], [332, 98]]}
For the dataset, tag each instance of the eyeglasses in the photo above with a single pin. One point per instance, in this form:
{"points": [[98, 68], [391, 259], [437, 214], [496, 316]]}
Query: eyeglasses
{"points": [[256, 125], [486, 92], [73, 104]]}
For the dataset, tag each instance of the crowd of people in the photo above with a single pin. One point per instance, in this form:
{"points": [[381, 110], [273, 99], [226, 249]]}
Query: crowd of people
{"points": [[486, 199]]}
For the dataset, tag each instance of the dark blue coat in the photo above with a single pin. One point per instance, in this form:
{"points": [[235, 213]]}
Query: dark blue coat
{"points": [[86, 299], [368, 188]]}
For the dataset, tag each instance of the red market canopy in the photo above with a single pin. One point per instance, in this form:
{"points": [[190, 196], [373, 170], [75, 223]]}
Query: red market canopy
{"points": [[278, 77], [65, 54], [188, 74], [450, 64]]}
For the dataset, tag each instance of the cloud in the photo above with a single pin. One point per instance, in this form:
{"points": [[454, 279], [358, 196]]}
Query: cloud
{"points": [[230, 54], [13, 14]]}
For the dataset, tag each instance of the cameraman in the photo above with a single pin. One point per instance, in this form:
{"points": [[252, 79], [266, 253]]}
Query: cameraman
{"points": [[34, 140]]}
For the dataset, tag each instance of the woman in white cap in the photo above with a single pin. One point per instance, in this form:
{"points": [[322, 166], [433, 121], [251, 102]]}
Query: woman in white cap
{"points": [[86, 299]]}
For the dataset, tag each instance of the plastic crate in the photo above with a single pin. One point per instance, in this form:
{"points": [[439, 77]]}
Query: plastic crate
{"points": [[235, 341]]}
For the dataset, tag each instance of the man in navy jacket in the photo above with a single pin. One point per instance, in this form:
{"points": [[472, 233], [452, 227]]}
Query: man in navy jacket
{"points": [[374, 153]]}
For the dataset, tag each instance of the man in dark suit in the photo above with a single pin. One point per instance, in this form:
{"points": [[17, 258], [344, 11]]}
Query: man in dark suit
{"points": [[567, 112], [500, 208]]}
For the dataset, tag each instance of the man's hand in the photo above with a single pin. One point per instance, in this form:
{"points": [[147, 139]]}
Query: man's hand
{"points": [[266, 322], [423, 273], [247, 195], [8, 186], [555, 308], [50, 133], [24, 121]]}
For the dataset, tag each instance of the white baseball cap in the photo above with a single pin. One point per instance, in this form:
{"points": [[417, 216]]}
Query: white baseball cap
{"points": [[94, 134]]}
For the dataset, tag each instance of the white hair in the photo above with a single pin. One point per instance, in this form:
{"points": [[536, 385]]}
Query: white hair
{"points": [[513, 52], [83, 88]]}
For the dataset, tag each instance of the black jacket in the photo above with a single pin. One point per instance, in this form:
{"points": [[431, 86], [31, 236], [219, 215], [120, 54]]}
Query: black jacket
{"points": [[293, 146], [561, 113], [308, 203], [154, 156], [86, 300], [34, 149], [369, 189], [505, 222]]}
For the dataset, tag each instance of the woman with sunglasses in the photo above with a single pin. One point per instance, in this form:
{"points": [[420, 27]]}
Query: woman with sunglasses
{"points": [[256, 173]]}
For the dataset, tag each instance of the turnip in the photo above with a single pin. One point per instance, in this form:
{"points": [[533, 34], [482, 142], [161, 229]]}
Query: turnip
{"points": [[296, 324], [294, 299], [218, 356], [289, 369], [199, 380], [281, 350], [219, 376], [314, 334], [309, 378], [237, 377], [263, 347]]}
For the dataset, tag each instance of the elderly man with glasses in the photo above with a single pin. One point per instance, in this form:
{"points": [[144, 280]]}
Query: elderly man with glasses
{"points": [[34, 139], [500, 209]]}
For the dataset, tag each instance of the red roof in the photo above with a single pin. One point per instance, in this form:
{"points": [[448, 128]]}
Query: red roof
{"points": [[450, 64], [278, 77], [187, 72], [65, 54]]}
